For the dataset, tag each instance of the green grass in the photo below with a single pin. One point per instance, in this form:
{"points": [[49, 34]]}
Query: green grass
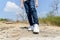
{"points": [[53, 20], [2, 19]]}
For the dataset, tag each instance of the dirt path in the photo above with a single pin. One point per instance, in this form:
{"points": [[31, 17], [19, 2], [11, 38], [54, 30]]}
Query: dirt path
{"points": [[19, 31]]}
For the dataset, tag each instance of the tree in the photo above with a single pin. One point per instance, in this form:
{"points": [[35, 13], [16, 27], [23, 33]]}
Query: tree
{"points": [[21, 16], [55, 7]]}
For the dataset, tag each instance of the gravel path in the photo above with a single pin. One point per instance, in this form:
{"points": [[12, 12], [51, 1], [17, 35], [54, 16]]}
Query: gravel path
{"points": [[19, 32]]}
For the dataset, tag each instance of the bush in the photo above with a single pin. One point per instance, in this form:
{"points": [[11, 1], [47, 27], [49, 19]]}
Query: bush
{"points": [[1, 19], [55, 20]]}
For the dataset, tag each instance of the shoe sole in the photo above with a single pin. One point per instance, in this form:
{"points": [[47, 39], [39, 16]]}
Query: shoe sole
{"points": [[35, 32]]}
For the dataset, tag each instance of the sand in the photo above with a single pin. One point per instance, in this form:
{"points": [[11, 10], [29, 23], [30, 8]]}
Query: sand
{"points": [[19, 31]]}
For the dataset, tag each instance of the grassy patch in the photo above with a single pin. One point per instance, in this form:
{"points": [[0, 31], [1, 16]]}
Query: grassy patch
{"points": [[51, 20]]}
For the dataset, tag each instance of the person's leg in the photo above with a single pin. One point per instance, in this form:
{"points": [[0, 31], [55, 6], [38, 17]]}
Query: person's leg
{"points": [[34, 15], [33, 11], [26, 5]]}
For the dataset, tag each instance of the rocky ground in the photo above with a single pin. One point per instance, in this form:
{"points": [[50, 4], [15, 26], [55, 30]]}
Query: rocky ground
{"points": [[18, 31]]}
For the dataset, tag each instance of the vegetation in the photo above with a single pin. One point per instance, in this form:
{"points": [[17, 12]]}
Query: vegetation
{"points": [[2, 19], [55, 20]]}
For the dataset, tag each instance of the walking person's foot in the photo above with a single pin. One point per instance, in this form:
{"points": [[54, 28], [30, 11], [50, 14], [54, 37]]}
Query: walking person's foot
{"points": [[30, 28], [36, 29]]}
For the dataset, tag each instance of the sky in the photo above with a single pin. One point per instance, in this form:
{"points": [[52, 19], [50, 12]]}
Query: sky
{"points": [[8, 8]]}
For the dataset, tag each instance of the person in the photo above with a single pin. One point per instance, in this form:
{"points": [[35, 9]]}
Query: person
{"points": [[30, 7]]}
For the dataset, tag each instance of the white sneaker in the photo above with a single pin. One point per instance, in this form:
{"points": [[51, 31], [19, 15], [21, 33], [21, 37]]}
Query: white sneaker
{"points": [[36, 29], [30, 28]]}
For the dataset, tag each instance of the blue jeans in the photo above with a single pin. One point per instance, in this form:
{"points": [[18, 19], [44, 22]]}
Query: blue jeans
{"points": [[31, 12]]}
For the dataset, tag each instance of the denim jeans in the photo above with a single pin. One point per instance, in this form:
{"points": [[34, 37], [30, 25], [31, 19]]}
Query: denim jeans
{"points": [[31, 12]]}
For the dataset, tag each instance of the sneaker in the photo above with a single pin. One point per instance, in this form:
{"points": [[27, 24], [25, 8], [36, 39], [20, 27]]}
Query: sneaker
{"points": [[36, 29], [30, 28]]}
